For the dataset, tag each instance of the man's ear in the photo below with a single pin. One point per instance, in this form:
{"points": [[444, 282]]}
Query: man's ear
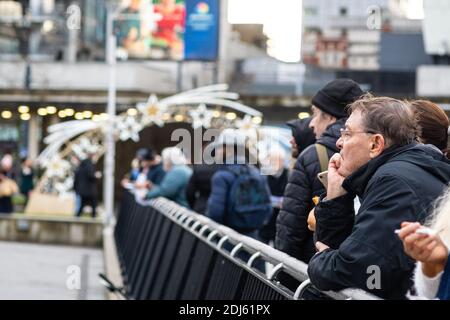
{"points": [[377, 146], [332, 118]]}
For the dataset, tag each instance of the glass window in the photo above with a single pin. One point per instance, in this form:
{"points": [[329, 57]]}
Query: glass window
{"points": [[310, 11]]}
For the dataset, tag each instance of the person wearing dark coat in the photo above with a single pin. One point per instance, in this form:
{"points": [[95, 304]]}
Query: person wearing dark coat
{"points": [[85, 184], [220, 205], [26, 178], [6, 205], [396, 180], [302, 135], [199, 186], [152, 164], [7, 174], [293, 236], [277, 185]]}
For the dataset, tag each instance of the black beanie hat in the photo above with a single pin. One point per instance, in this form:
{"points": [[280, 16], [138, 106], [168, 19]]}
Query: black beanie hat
{"points": [[336, 96]]}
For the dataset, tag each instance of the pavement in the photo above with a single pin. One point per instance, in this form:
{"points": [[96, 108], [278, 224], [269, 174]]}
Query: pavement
{"points": [[50, 272]]}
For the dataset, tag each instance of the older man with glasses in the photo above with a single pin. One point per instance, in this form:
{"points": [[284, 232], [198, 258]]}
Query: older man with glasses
{"points": [[396, 180]]}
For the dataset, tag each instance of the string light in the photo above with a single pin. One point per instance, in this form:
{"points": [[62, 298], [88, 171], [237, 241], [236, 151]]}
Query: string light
{"points": [[87, 114], [25, 116], [132, 112], [6, 114], [23, 109], [178, 118], [231, 116], [42, 112], [79, 116], [303, 115], [69, 112], [51, 110], [62, 114], [257, 120]]}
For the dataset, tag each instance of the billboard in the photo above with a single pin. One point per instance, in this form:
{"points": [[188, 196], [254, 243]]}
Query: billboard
{"points": [[167, 29], [202, 29]]}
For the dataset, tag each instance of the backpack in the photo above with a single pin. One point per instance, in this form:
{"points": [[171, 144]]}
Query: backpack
{"points": [[249, 205]]}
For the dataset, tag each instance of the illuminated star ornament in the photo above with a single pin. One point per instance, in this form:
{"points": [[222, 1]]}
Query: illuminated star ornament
{"points": [[83, 137], [152, 111], [64, 187], [57, 167], [201, 117], [247, 126], [84, 147], [128, 128]]}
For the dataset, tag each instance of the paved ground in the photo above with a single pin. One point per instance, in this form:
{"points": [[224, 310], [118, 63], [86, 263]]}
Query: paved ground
{"points": [[47, 272]]}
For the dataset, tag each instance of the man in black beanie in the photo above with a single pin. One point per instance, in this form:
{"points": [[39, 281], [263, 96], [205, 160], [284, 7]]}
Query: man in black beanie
{"points": [[329, 115]]}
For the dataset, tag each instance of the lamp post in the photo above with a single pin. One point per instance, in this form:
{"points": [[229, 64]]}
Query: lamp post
{"points": [[108, 181]]}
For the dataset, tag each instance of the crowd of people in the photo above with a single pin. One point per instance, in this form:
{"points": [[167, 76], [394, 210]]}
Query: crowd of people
{"points": [[366, 204], [17, 184]]}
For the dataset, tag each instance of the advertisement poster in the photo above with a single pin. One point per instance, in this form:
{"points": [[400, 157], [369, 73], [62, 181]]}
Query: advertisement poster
{"points": [[202, 29], [167, 29]]}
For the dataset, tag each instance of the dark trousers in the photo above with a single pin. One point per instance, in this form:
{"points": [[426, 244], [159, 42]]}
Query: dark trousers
{"points": [[92, 201], [6, 205]]}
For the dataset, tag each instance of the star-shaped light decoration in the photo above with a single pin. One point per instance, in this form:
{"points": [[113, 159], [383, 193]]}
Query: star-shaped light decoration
{"points": [[84, 147], [64, 187], [57, 167], [152, 111], [128, 128], [248, 127], [201, 117]]}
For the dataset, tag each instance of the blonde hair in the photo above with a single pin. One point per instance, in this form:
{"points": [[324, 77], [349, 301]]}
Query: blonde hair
{"points": [[440, 218]]}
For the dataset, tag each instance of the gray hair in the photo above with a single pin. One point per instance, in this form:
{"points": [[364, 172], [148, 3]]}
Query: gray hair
{"points": [[391, 118], [173, 156]]}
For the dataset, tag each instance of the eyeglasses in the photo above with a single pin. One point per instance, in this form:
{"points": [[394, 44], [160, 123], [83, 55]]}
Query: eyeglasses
{"points": [[345, 134]]}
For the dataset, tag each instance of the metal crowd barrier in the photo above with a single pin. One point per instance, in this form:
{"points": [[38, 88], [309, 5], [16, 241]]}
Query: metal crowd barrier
{"points": [[168, 252]]}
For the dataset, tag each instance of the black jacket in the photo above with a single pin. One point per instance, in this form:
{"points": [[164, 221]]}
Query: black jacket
{"points": [[199, 186], [85, 182], [156, 174], [399, 185], [293, 236]]}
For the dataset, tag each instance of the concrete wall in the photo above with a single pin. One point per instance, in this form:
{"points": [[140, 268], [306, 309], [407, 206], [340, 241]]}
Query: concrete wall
{"points": [[159, 77], [20, 228]]}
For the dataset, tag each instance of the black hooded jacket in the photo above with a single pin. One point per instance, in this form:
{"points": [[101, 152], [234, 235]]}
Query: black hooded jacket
{"points": [[85, 182], [293, 236], [302, 133], [400, 185]]}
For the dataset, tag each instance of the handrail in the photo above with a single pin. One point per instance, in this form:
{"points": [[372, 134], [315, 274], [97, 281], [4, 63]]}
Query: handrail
{"points": [[209, 231]]}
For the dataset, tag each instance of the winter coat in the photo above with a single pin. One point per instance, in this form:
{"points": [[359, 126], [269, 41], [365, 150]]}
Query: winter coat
{"points": [[293, 236], [399, 185], [277, 185], [173, 186], [85, 183], [156, 174], [444, 286], [199, 187], [221, 184]]}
